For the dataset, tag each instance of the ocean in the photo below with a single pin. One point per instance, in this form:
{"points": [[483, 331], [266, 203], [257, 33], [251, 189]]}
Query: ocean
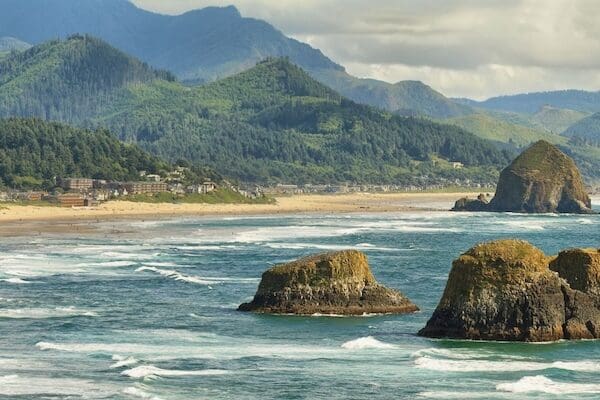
{"points": [[147, 310]]}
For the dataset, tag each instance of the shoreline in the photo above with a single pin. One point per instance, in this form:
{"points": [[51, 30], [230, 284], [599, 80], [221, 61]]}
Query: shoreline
{"points": [[18, 220]]}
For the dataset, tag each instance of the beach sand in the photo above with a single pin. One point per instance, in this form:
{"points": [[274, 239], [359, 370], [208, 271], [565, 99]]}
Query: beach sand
{"points": [[18, 220]]}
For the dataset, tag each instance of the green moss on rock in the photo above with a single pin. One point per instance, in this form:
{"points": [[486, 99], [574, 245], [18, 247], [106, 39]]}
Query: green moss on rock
{"points": [[331, 283], [505, 290], [541, 180]]}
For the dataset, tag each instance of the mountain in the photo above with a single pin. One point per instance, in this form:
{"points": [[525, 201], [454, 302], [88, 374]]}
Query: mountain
{"points": [[34, 152], [405, 97], [8, 44], [588, 129], [502, 129], [556, 120], [530, 103], [68, 80], [271, 123], [208, 44]]}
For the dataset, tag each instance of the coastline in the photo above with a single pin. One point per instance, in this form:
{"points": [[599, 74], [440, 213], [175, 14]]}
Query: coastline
{"points": [[18, 220]]}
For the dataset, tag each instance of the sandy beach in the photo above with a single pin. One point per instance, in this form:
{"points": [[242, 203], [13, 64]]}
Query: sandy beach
{"points": [[19, 220]]}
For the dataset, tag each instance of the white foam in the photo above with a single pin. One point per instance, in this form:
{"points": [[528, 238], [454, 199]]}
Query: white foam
{"points": [[541, 384], [457, 395], [17, 385], [368, 342], [139, 393], [122, 361], [150, 371], [42, 313], [178, 276], [474, 365], [113, 264], [16, 281]]}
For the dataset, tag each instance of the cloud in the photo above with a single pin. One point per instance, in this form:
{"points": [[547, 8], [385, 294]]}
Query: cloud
{"points": [[475, 48]]}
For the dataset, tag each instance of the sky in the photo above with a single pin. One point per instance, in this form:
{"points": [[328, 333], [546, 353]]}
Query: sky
{"points": [[462, 48]]}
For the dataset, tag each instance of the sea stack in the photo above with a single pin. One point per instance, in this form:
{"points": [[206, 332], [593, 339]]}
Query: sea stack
{"points": [[331, 283], [541, 180], [506, 290]]}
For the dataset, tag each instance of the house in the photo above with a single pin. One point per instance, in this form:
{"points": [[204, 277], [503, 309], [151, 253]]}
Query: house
{"points": [[77, 184], [153, 178], [204, 188], [71, 200], [457, 165], [145, 187]]}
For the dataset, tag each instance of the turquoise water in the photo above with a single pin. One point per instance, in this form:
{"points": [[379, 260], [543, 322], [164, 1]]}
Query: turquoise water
{"points": [[148, 310]]}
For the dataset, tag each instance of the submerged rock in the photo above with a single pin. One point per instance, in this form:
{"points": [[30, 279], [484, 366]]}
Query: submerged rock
{"points": [[505, 290], [330, 283], [541, 180]]}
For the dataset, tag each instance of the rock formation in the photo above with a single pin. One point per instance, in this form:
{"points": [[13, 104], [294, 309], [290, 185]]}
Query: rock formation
{"points": [[541, 180], [331, 283], [506, 290]]}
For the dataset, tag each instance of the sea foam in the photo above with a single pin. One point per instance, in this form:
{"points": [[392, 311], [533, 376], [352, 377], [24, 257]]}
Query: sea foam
{"points": [[178, 276], [42, 313], [368, 342], [150, 371], [542, 384]]}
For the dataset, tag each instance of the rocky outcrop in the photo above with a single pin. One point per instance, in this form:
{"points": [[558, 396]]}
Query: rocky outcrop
{"points": [[331, 283], [541, 180], [466, 204], [506, 290]]}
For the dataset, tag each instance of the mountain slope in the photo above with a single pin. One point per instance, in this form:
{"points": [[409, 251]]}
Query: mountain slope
{"points": [[496, 129], [530, 103], [588, 129], [67, 80], [9, 44], [556, 120], [34, 152], [207, 44], [272, 123]]}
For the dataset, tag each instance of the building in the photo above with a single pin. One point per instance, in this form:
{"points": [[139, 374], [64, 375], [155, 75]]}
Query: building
{"points": [[77, 184], [153, 178], [457, 165], [71, 200], [206, 187], [145, 187]]}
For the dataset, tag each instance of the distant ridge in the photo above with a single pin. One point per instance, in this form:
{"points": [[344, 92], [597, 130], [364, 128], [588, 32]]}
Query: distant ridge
{"points": [[206, 45]]}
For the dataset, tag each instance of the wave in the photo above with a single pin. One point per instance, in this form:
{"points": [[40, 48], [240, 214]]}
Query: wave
{"points": [[114, 264], [475, 365], [42, 313], [16, 281], [139, 393], [368, 342], [122, 361], [178, 276], [150, 371], [542, 384], [34, 387], [457, 395]]}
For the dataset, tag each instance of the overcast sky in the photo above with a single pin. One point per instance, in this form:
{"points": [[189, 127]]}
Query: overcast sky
{"points": [[472, 48]]}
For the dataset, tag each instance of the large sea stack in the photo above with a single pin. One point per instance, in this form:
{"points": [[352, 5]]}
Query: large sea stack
{"points": [[509, 290], [330, 283], [541, 180]]}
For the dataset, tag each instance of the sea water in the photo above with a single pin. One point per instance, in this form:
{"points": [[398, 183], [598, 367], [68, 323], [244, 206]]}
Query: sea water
{"points": [[147, 310]]}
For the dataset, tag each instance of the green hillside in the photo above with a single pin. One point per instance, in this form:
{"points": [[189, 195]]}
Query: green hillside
{"points": [[34, 152], [67, 80], [556, 120], [272, 123], [586, 130], [492, 128]]}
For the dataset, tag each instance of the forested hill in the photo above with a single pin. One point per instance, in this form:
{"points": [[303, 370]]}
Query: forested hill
{"points": [[272, 123], [68, 80], [206, 45], [34, 152]]}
